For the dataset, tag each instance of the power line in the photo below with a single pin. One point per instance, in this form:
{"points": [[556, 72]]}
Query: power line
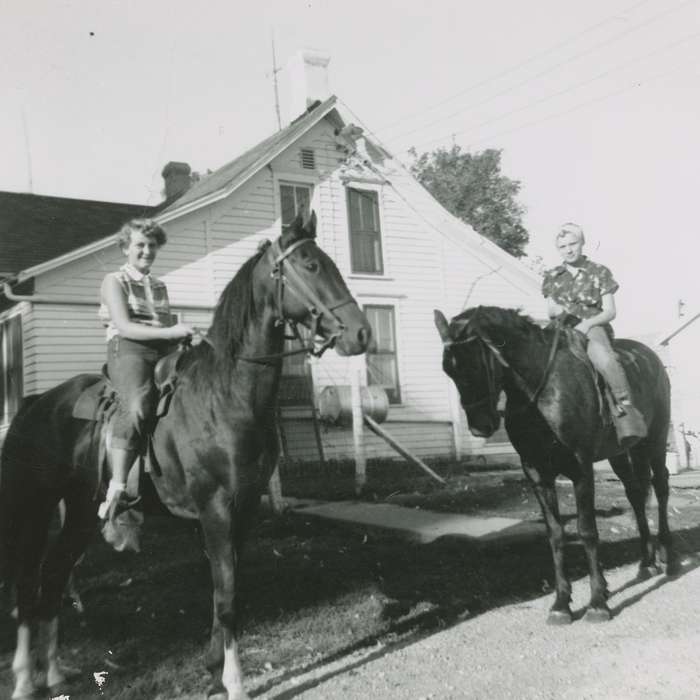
{"points": [[512, 69], [549, 69], [491, 120], [579, 106]]}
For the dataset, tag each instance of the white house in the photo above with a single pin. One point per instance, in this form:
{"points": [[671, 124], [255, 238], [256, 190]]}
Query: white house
{"points": [[682, 343], [401, 253]]}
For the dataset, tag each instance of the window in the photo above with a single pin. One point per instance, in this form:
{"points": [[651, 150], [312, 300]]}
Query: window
{"points": [[382, 359], [365, 233], [295, 383], [11, 388], [293, 200]]}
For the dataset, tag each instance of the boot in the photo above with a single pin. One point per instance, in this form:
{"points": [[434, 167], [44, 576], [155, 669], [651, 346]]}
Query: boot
{"points": [[629, 424], [121, 461]]}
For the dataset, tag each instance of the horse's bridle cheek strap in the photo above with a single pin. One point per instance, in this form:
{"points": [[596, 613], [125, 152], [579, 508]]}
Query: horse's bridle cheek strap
{"points": [[291, 278]]}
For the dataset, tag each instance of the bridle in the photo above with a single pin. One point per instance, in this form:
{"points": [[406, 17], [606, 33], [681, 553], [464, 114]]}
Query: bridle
{"points": [[288, 278], [487, 345]]}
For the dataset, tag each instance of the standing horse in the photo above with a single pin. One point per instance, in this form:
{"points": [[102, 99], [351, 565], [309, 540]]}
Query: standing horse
{"points": [[556, 420], [216, 448]]}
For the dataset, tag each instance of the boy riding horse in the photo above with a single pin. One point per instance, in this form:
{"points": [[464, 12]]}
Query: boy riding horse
{"points": [[585, 290]]}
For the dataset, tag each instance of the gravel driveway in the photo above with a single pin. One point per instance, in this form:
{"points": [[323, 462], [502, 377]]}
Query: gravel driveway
{"points": [[650, 649]]}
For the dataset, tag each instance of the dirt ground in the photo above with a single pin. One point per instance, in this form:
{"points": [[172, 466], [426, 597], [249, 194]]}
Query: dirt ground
{"points": [[330, 610]]}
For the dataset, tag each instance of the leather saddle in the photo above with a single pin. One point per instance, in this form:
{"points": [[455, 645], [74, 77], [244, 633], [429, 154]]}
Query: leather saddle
{"points": [[99, 400]]}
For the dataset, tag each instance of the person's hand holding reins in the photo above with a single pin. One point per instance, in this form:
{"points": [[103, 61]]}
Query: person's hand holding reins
{"points": [[180, 331]]}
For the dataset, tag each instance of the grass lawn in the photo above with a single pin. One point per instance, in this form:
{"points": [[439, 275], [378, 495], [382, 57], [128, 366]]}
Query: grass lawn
{"points": [[311, 591]]}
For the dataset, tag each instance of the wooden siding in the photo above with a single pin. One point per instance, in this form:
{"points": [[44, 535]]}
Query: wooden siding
{"points": [[430, 261]]}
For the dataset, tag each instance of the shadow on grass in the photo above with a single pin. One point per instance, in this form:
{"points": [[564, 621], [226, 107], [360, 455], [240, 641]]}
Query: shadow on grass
{"points": [[155, 608]]}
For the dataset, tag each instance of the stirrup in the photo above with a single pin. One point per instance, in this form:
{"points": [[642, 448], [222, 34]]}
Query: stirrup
{"points": [[119, 503]]}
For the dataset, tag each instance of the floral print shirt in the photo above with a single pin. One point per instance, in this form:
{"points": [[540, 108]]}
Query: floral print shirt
{"points": [[582, 294]]}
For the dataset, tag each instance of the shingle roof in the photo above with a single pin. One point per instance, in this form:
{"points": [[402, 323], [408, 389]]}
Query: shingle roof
{"points": [[36, 228], [228, 176]]}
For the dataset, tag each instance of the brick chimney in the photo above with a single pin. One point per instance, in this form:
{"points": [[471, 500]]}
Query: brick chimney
{"points": [[177, 178], [307, 74]]}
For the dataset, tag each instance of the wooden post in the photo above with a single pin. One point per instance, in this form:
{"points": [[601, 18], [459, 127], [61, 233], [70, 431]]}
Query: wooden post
{"points": [[356, 372], [378, 430]]}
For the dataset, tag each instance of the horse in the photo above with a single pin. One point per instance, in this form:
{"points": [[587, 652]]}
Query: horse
{"points": [[216, 448], [557, 420]]}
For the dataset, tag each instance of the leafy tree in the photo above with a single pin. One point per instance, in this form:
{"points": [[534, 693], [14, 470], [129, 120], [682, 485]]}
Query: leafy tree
{"points": [[471, 186]]}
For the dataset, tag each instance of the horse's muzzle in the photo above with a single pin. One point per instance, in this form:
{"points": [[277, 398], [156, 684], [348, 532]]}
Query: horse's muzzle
{"points": [[356, 336]]}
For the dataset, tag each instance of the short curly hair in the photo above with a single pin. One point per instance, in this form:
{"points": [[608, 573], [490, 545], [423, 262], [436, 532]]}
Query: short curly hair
{"points": [[148, 227], [570, 229]]}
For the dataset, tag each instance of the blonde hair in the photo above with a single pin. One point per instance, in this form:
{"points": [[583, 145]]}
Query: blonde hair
{"points": [[148, 227], [570, 229]]}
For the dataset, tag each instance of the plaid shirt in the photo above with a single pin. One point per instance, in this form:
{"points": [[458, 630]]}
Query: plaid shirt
{"points": [[146, 299], [580, 295]]}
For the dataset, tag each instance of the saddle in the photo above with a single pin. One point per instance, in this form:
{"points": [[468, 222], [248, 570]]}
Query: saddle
{"points": [[99, 401], [628, 427]]}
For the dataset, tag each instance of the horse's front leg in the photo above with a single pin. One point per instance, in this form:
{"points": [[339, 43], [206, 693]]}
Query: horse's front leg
{"points": [[222, 659], [598, 610], [560, 612]]}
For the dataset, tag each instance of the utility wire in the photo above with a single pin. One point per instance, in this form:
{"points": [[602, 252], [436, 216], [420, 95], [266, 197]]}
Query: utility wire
{"points": [[548, 70], [512, 69], [604, 74], [579, 106]]}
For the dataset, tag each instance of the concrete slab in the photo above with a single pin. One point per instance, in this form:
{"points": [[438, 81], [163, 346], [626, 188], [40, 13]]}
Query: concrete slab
{"points": [[689, 479], [422, 525]]}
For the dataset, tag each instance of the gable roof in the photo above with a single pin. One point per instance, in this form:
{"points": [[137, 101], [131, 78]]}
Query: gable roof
{"points": [[216, 186], [38, 228], [227, 178]]}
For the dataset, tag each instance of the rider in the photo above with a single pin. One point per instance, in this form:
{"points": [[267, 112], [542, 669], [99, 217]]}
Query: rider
{"points": [[585, 290], [140, 330]]}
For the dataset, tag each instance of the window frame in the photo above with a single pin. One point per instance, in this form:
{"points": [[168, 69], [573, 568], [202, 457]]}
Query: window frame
{"points": [[394, 394], [9, 403], [377, 192], [294, 383]]}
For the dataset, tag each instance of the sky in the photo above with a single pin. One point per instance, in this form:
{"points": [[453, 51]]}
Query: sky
{"points": [[595, 106]]}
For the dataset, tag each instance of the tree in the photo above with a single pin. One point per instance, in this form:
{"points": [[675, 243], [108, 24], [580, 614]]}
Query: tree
{"points": [[471, 186]]}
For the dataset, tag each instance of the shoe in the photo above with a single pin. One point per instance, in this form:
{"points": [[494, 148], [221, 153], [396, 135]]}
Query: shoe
{"points": [[629, 425], [121, 501]]}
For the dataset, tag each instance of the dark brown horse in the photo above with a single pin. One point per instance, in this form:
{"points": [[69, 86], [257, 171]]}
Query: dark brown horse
{"points": [[556, 420], [216, 447]]}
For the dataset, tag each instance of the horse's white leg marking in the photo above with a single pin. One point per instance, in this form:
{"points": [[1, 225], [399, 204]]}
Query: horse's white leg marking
{"points": [[22, 663], [48, 648], [232, 674]]}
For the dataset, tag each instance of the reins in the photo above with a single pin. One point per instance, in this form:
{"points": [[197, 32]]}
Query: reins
{"points": [[289, 278], [487, 343]]}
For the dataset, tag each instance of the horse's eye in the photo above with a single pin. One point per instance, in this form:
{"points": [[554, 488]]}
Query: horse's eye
{"points": [[313, 266]]}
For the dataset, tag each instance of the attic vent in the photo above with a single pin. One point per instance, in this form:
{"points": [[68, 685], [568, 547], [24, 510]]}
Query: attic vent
{"points": [[308, 159]]}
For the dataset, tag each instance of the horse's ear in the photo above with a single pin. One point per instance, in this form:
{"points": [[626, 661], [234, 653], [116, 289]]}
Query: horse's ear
{"points": [[442, 325], [310, 225]]}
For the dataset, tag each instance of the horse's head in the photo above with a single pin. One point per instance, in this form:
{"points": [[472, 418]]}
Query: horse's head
{"points": [[473, 362], [310, 290]]}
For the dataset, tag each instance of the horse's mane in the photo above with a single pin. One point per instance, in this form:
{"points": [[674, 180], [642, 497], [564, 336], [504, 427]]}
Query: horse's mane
{"points": [[496, 317], [234, 311], [511, 322]]}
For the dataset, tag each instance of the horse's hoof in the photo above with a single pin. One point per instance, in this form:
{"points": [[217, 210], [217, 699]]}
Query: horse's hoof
{"points": [[597, 615], [674, 567], [559, 617], [647, 572]]}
